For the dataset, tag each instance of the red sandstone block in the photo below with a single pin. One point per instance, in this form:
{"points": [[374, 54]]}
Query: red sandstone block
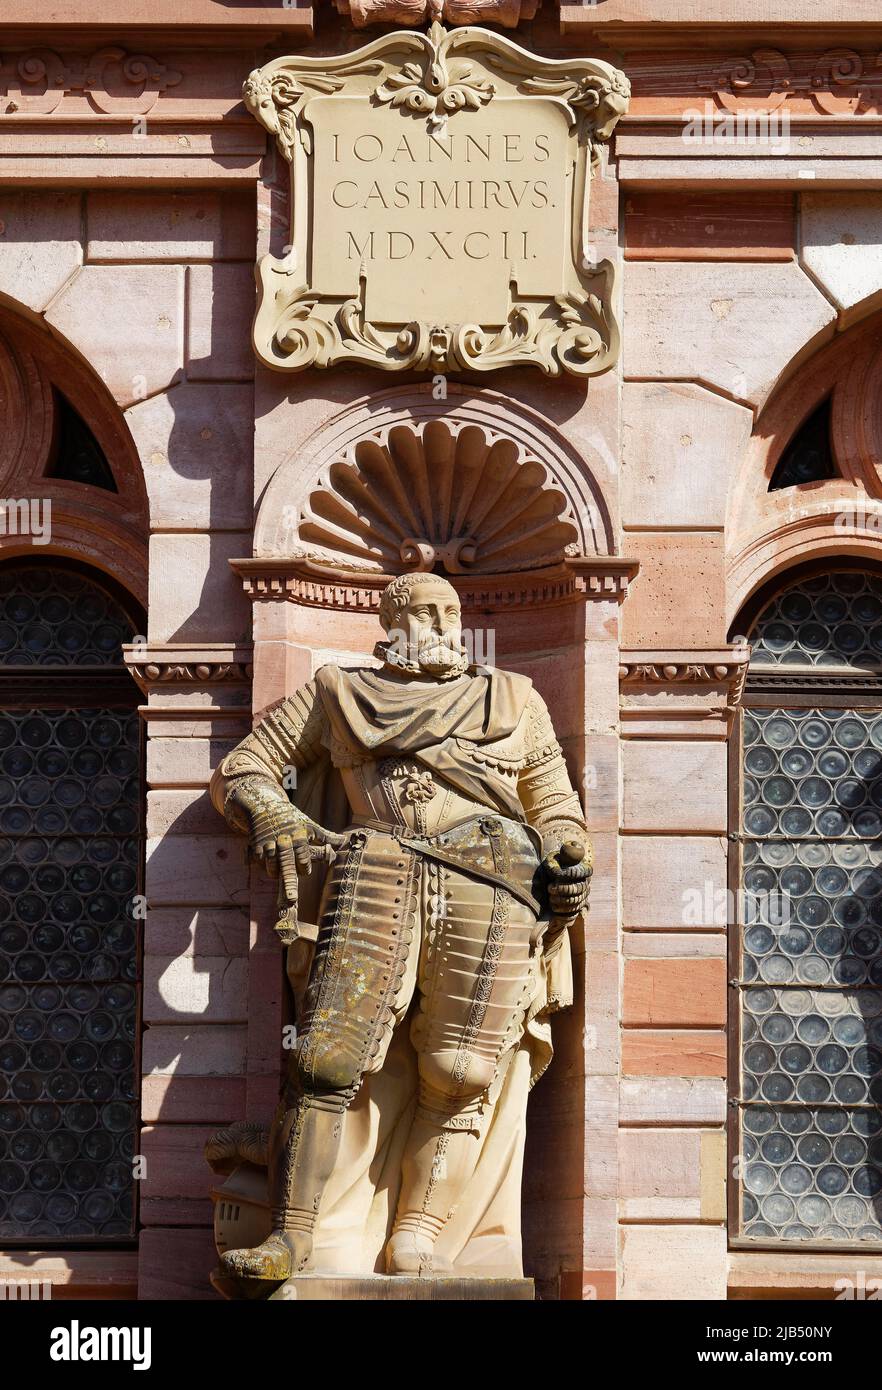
{"points": [[201, 989], [218, 1099], [196, 442], [674, 785], [131, 225], [175, 1187], [197, 1049], [686, 1052], [194, 595], [674, 881], [727, 324], [185, 762], [681, 590], [95, 306], [39, 244], [682, 226], [674, 993], [660, 1163], [220, 304], [188, 931], [587, 1284], [198, 869], [176, 1264]]}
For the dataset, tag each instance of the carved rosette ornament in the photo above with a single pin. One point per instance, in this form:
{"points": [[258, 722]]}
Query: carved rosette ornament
{"points": [[440, 190]]}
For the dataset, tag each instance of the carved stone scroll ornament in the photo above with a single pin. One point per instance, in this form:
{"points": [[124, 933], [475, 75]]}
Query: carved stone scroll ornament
{"points": [[836, 82], [508, 13], [440, 189], [115, 82]]}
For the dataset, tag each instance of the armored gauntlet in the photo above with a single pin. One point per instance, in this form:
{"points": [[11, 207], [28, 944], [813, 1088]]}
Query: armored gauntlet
{"points": [[264, 812], [568, 879]]}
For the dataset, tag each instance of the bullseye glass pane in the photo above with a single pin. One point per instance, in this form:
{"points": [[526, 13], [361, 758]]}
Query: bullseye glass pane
{"points": [[70, 826], [68, 972], [811, 975], [55, 617], [832, 620]]}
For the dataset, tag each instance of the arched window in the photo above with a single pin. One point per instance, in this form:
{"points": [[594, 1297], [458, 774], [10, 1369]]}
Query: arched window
{"points": [[70, 864], [807, 950]]}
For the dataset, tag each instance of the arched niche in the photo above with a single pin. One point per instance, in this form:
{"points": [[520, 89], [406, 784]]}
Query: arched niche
{"points": [[490, 494], [64, 440], [476, 440], [770, 529]]}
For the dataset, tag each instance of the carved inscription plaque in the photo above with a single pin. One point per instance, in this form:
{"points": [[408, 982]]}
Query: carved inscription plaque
{"points": [[440, 186]]}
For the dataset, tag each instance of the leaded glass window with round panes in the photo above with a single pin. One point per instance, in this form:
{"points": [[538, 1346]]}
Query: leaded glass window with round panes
{"points": [[808, 967], [70, 853]]}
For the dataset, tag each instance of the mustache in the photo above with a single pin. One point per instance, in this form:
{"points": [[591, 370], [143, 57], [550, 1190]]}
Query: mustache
{"points": [[440, 639]]}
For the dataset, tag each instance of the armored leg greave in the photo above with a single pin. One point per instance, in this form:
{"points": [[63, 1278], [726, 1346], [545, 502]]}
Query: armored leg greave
{"points": [[476, 979], [391, 919], [357, 992]]}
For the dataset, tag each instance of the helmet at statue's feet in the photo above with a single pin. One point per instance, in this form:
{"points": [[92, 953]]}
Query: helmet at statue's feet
{"points": [[282, 1254], [412, 1253]]}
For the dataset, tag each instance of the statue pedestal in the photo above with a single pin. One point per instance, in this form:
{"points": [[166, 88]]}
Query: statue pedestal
{"points": [[379, 1288], [383, 1288]]}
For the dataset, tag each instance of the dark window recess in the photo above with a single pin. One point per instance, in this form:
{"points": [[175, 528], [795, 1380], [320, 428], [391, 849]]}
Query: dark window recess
{"points": [[808, 457], [78, 456], [70, 856]]}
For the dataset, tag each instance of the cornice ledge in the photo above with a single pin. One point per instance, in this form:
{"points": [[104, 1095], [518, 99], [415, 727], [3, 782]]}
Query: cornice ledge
{"points": [[602, 576], [243, 18], [708, 667], [183, 664], [300, 579]]}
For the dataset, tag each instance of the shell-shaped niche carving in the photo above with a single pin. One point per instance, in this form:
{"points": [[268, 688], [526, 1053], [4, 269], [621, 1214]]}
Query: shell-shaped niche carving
{"points": [[437, 496]]}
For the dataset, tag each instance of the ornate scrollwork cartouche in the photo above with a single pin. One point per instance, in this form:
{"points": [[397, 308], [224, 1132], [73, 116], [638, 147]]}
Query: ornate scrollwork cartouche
{"points": [[440, 77]]}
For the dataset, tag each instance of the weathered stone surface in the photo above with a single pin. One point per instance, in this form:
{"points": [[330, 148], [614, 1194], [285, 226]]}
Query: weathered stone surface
{"points": [[175, 1098], [175, 1187], [127, 224], [184, 762], [186, 931], [842, 247], [673, 1262], [149, 301], [732, 326], [673, 1052], [675, 944], [674, 993], [673, 564], [176, 1264], [180, 813], [202, 870], [659, 1163], [220, 307], [195, 1050], [194, 595], [195, 443], [674, 881], [210, 989], [39, 244], [674, 786], [384, 1289], [680, 447], [672, 1100], [684, 226]]}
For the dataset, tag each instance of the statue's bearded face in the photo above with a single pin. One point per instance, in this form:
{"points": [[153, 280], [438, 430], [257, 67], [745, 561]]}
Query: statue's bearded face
{"points": [[430, 627]]}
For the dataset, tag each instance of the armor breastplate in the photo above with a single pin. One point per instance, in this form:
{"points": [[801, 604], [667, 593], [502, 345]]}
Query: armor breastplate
{"points": [[402, 793]]}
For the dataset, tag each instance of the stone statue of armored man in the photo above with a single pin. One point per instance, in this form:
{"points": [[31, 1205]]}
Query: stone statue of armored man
{"points": [[459, 860]]}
